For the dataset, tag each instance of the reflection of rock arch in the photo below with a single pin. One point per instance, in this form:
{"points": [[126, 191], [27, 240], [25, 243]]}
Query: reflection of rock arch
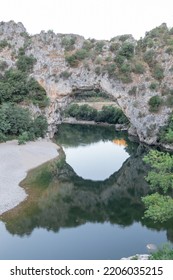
{"points": [[70, 200]]}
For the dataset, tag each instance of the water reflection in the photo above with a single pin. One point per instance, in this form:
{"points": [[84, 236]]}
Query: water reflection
{"points": [[59, 198], [96, 161]]}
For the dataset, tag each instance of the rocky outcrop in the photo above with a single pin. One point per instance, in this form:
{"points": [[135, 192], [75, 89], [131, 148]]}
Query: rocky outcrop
{"points": [[61, 79]]}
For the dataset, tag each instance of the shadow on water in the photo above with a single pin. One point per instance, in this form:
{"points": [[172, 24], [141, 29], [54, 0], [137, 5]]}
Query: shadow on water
{"points": [[59, 198]]}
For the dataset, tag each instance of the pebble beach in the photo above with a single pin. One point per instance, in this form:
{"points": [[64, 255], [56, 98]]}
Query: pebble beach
{"points": [[15, 161]]}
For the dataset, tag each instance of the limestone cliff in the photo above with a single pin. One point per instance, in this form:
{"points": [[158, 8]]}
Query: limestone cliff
{"points": [[131, 71]]}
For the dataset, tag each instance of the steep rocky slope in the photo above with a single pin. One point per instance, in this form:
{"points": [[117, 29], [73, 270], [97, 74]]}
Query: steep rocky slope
{"points": [[131, 71]]}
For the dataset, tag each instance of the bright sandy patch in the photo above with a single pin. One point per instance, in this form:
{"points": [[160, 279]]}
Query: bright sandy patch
{"points": [[15, 161]]}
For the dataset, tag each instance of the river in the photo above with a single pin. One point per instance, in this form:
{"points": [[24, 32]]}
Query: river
{"points": [[86, 205]]}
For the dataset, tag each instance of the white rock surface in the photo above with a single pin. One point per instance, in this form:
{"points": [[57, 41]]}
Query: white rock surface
{"points": [[15, 161], [137, 257]]}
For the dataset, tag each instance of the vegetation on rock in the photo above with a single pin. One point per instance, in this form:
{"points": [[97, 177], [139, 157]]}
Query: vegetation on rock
{"points": [[155, 103], [163, 253], [166, 132], [17, 88]]}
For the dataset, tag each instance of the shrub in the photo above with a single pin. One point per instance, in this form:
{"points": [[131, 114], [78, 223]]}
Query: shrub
{"points": [[72, 60], [83, 112], [114, 47], [125, 68], [87, 45], [110, 69], [127, 50], [149, 57], [153, 86], [125, 78], [72, 110], [168, 137], [154, 103], [171, 31], [98, 70], [158, 72], [98, 60], [25, 63], [3, 138], [163, 253], [169, 50], [17, 121], [37, 93], [99, 46], [124, 37], [81, 54], [108, 114], [3, 44], [159, 205], [119, 59], [13, 86], [138, 68], [170, 42], [132, 90], [68, 43], [169, 101], [3, 65], [23, 138], [111, 115], [40, 126], [65, 74], [108, 59], [166, 132], [149, 42]]}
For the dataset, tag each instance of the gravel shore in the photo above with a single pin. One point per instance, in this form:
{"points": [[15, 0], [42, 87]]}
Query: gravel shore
{"points": [[15, 161]]}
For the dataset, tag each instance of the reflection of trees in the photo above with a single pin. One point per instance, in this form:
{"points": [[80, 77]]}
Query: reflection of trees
{"points": [[68, 200], [74, 135]]}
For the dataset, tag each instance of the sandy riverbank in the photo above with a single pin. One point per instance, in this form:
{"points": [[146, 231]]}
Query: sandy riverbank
{"points": [[15, 161]]}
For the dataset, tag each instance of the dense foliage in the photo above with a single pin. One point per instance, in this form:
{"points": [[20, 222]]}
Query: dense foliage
{"points": [[16, 87], [108, 114], [25, 63], [159, 204], [17, 121], [155, 102], [163, 253], [166, 132]]}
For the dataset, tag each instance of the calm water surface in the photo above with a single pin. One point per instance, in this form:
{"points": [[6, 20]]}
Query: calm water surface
{"points": [[89, 207]]}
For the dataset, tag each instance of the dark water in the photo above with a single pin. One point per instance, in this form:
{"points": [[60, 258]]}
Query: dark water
{"points": [[87, 206]]}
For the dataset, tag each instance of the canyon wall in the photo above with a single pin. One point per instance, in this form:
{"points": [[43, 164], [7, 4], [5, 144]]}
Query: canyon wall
{"points": [[128, 70]]}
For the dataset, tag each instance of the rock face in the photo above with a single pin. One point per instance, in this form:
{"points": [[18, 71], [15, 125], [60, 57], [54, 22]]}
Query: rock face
{"points": [[130, 71]]}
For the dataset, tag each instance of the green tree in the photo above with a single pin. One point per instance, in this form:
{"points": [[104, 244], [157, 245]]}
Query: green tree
{"points": [[155, 103], [5, 125], [23, 138], [159, 205], [127, 50], [40, 126], [25, 63]]}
